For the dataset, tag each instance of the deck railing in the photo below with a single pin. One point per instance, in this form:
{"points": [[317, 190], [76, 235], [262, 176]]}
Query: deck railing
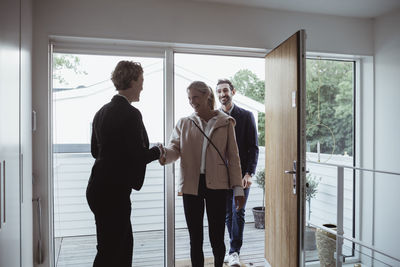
{"points": [[72, 216], [339, 233]]}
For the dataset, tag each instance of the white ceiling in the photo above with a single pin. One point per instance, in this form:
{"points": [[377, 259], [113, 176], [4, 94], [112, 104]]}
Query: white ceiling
{"points": [[348, 8]]}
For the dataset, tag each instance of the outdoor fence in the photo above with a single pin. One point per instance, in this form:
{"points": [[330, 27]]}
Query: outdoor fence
{"points": [[72, 216]]}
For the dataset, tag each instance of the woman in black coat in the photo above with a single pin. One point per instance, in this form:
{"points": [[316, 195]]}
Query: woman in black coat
{"points": [[121, 148]]}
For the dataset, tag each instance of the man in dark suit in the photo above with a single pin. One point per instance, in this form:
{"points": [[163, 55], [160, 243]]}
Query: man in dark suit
{"points": [[247, 141], [121, 148]]}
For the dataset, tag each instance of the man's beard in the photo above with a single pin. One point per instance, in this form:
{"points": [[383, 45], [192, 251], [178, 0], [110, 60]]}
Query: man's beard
{"points": [[226, 101]]}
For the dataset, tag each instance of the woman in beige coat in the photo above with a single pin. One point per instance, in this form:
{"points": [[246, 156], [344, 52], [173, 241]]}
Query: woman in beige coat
{"points": [[208, 169]]}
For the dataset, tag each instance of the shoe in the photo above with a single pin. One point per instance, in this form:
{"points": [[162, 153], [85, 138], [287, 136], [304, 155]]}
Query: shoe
{"points": [[226, 258], [234, 259]]}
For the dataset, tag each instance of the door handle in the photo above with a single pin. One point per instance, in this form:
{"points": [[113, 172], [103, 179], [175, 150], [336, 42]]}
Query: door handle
{"points": [[294, 176], [4, 191], [34, 121], [293, 172], [21, 177]]}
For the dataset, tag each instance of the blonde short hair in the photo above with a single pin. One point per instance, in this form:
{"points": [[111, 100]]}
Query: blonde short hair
{"points": [[202, 87]]}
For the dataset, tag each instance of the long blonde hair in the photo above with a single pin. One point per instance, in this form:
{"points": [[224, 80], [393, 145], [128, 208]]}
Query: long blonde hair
{"points": [[202, 87]]}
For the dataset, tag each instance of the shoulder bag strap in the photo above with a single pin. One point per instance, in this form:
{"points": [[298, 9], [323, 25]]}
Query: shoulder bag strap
{"points": [[219, 153]]}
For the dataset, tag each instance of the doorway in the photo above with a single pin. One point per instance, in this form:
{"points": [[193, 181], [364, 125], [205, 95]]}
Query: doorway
{"points": [[80, 86], [247, 75]]}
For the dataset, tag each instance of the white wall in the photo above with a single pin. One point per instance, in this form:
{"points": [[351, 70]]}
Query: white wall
{"points": [[387, 128], [178, 22], [200, 23]]}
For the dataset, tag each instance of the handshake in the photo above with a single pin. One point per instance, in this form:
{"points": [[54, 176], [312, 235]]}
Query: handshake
{"points": [[163, 153]]}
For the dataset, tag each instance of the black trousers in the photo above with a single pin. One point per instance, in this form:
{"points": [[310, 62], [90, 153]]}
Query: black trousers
{"points": [[215, 203], [112, 212]]}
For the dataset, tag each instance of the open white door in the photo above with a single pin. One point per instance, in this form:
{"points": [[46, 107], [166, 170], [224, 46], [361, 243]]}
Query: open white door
{"points": [[285, 153]]}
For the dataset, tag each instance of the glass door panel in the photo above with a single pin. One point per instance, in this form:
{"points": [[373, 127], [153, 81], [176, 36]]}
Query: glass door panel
{"points": [[330, 139], [81, 85], [247, 74]]}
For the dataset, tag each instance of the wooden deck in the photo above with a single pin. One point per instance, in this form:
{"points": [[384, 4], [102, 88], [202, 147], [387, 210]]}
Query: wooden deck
{"points": [[149, 248]]}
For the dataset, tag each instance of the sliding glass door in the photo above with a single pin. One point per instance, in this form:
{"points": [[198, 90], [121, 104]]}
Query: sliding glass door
{"points": [[247, 75], [81, 85]]}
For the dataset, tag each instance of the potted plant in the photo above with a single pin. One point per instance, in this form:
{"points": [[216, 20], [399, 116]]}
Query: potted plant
{"points": [[319, 239], [312, 183], [259, 212]]}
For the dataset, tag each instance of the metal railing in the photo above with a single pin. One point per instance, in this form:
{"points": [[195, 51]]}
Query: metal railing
{"points": [[339, 233]]}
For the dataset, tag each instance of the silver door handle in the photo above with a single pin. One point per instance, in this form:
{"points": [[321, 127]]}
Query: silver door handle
{"points": [[294, 177], [293, 172], [34, 121]]}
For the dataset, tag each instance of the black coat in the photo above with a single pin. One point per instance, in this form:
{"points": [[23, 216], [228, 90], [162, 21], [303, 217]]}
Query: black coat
{"points": [[120, 146], [246, 139]]}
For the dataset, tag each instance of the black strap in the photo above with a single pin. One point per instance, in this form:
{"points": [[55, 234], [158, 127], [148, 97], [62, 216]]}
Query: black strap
{"points": [[219, 153]]}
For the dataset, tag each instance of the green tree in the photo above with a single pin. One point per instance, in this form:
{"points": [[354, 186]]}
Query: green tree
{"points": [[247, 83], [261, 129], [330, 105], [66, 62]]}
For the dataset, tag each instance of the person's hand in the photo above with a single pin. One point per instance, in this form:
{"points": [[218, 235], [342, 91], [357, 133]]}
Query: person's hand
{"points": [[162, 158], [239, 202], [246, 181]]}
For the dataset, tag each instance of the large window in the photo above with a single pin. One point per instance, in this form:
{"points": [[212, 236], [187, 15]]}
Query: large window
{"points": [[330, 107], [330, 139], [81, 86]]}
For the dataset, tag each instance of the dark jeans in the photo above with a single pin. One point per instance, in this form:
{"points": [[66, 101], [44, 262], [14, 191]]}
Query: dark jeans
{"points": [[215, 203], [235, 220], [112, 214]]}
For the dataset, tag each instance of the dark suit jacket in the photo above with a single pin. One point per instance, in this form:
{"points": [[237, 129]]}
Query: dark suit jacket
{"points": [[246, 138], [120, 146]]}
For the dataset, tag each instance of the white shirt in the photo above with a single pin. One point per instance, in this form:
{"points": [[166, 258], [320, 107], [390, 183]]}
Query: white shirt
{"points": [[206, 127], [229, 111]]}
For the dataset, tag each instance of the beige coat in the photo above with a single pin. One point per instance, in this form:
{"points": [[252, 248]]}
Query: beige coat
{"points": [[186, 142]]}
